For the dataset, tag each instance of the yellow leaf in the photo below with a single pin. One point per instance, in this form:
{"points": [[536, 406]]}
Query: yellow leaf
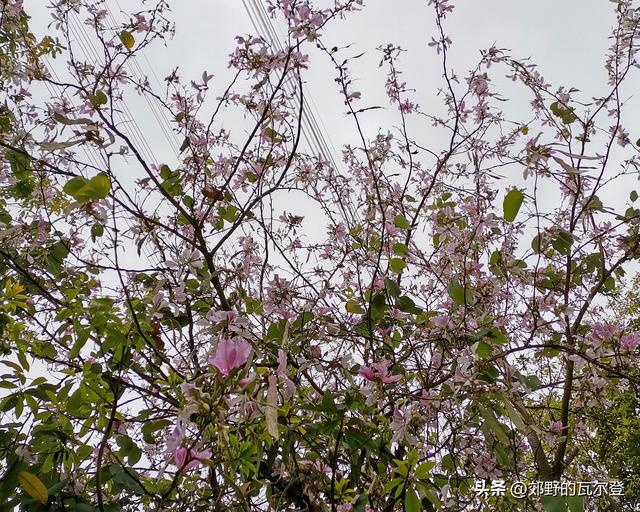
{"points": [[353, 307], [32, 485], [127, 39]]}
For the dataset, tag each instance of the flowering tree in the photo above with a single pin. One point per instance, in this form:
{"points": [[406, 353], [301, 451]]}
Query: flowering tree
{"points": [[450, 327]]}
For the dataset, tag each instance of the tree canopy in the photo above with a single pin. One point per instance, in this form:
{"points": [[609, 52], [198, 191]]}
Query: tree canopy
{"points": [[259, 326]]}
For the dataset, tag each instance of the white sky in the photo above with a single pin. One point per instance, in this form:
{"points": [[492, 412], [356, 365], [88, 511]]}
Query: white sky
{"points": [[567, 39]]}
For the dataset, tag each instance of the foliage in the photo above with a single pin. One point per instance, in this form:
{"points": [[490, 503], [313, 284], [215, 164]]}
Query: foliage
{"points": [[175, 335]]}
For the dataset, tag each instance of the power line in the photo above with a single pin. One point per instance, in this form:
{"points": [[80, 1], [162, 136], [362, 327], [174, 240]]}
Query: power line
{"points": [[317, 133], [158, 112], [311, 131], [91, 53]]}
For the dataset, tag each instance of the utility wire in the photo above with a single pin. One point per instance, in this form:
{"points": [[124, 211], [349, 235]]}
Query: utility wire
{"points": [[311, 131], [316, 132], [164, 122], [91, 153], [92, 54]]}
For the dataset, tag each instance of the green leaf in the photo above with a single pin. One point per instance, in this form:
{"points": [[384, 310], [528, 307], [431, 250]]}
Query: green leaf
{"points": [[392, 287], [129, 449], [378, 306], [165, 172], [127, 39], [458, 293], [85, 507], [553, 503], [575, 503], [32, 485], [271, 411], [272, 135], [228, 213], [56, 488], [354, 307], [496, 257], [609, 284], [633, 196], [411, 501], [81, 339], [407, 305], [98, 99], [562, 243], [6, 120], [253, 306], [84, 190], [514, 415], [533, 382], [5, 218], [497, 337], [98, 187], [489, 374], [564, 113], [536, 244], [401, 222], [361, 503], [74, 185], [595, 204], [20, 163], [492, 425], [424, 470], [149, 427], [125, 477], [483, 350], [511, 205], [393, 484], [400, 249], [328, 403], [276, 330], [397, 265], [97, 230]]}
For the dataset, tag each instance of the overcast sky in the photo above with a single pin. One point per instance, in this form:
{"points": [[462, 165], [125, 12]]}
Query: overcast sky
{"points": [[567, 40]]}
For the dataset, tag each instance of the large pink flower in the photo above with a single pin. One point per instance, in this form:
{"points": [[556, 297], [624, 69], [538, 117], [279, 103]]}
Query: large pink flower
{"points": [[230, 355], [629, 342], [186, 459], [379, 372]]}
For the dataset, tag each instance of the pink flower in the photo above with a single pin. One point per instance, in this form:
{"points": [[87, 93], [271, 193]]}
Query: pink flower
{"points": [[629, 342], [379, 372], [186, 459], [220, 316], [441, 321], [400, 426], [304, 13], [480, 86], [406, 107], [175, 438], [556, 426], [603, 332], [229, 356], [281, 373], [141, 24]]}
